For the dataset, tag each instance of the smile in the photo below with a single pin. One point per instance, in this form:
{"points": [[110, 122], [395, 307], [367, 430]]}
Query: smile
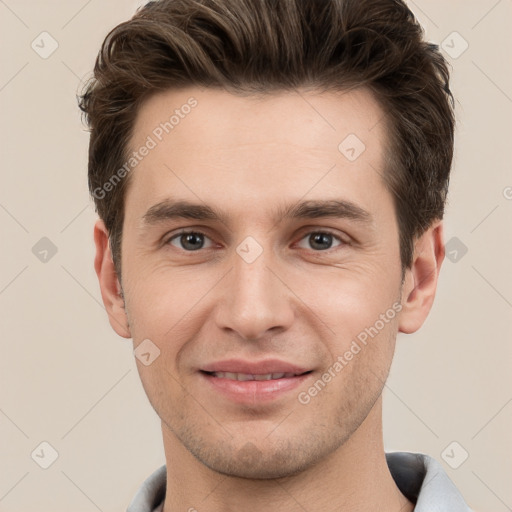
{"points": [[249, 376], [251, 389]]}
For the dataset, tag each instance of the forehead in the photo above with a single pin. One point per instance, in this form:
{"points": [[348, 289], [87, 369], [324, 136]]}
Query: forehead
{"points": [[210, 142], [257, 118]]}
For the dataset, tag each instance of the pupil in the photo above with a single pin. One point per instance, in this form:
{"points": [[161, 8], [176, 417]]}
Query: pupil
{"points": [[193, 239], [319, 238]]}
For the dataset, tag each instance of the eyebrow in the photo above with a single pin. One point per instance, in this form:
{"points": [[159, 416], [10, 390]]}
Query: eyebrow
{"points": [[169, 209]]}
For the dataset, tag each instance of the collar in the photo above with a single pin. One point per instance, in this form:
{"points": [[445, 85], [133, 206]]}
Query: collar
{"points": [[418, 476]]}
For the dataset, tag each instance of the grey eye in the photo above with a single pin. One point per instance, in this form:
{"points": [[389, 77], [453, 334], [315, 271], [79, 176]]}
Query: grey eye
{"points": [[320, 240], [189, 240]]}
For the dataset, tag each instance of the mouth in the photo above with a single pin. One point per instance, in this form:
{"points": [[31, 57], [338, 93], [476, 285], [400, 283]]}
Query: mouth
{"points": [[244, 377], [250, 383]]}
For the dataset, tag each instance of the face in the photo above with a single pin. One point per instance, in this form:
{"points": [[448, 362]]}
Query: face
{"points": [[263, 262]]}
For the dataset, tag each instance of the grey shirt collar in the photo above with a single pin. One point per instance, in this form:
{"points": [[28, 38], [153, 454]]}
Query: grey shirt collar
{"points": [[419, 477]]}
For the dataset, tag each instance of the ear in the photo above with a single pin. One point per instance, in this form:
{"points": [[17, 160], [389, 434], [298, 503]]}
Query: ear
{"points": [[420, 283], [109, 282]]}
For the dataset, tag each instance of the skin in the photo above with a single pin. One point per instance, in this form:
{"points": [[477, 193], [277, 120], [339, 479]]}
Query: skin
{"points": [[295, 302]]}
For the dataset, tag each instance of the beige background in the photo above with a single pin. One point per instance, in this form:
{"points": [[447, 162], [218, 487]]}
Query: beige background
{"points": [[67, 379]]}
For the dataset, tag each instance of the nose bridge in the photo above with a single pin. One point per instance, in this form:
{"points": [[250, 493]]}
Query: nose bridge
{"points": [[256, 299], [251, 274]]}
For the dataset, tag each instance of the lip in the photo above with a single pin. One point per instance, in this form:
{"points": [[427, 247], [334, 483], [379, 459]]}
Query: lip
{"points": [[251, 392], [254, 367]]}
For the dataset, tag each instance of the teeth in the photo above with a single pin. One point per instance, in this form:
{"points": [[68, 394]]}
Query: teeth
{"points": [[243, 376], [249, 376], [267, 376]]}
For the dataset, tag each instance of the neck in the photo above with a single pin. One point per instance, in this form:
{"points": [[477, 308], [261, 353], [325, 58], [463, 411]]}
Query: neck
{"points": [[353, 478]]}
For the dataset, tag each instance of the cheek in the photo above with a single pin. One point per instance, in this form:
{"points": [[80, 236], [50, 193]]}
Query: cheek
{"points": [[169, 308], [159, 301], [349, 301]]}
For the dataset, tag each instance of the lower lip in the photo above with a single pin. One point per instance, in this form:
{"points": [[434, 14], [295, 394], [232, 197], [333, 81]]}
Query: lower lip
{"points": [[251, 391]]}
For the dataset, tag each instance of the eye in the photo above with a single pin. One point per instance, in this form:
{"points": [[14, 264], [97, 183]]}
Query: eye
{"points": [[189, 240], [321, 240]]}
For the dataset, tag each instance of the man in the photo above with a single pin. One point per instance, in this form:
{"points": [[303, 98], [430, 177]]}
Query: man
{"points": [[303, 149]]}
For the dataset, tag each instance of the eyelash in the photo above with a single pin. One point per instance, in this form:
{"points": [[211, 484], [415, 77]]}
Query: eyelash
{"points": [[317, 231]]}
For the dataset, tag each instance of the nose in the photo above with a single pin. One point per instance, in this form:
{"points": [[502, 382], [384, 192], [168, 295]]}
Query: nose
{"points": [[256, 300]]}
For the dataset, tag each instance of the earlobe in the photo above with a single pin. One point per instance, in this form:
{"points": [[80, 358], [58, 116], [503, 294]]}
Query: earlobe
{"points": [[420, 283], [109, 282]]}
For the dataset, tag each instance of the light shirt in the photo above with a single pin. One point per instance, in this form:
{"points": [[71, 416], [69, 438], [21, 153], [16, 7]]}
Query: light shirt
{"points": [[419, 477]]}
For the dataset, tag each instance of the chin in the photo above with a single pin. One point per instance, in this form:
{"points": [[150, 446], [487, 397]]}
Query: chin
{"points": [[266, 468], [258, 462]]}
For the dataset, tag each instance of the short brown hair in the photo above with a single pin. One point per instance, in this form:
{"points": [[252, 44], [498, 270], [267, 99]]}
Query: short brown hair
{"points": [[260, 46]]}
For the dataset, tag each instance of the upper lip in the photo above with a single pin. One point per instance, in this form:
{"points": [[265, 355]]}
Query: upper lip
{"points": [[253, 367]]}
